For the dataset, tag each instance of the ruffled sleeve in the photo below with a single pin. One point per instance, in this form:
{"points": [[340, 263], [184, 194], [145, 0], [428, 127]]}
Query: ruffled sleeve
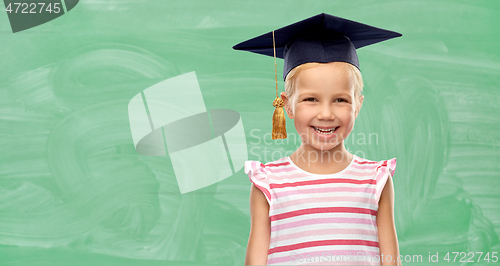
{"points": [[258, 176], [384, 168]]}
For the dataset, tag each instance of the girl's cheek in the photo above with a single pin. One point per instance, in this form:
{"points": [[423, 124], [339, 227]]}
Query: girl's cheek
{"points": [[301, 108], [347, 109]]}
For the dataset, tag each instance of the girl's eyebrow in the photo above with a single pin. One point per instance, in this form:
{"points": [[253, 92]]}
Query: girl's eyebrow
{"points": [[308, 94], [340, 94]]}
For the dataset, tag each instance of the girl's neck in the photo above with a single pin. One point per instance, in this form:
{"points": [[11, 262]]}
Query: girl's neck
{"points": [[322, 162]]}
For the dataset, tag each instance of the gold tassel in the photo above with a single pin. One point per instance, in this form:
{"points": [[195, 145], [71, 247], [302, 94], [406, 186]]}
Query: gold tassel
{"points": [[279, 122]]}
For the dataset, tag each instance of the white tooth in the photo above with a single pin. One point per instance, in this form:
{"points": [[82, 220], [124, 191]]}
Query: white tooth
{"points": [[325, 132]]}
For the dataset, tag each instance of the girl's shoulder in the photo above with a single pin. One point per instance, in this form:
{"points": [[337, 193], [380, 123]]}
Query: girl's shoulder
{"points": [[390, 163], [381, 171], [258, 166], [258, 173]]}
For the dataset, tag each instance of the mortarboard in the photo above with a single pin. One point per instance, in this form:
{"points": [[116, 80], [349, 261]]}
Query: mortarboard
{"points": [[322, 38]]}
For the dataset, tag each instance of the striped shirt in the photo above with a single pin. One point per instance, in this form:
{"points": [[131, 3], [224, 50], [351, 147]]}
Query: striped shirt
{"points": [[322, 219]]}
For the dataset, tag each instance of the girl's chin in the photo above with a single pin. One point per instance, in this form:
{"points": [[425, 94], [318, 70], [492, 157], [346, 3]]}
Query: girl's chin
{"points": [[324, 147]]}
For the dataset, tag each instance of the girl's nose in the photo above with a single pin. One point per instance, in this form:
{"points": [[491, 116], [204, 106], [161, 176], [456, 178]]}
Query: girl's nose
{"points": [[326, 113]]}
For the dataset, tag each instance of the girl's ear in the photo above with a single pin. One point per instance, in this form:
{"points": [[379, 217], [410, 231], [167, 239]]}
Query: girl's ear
{"points": [[288, 103], [358, 105]]}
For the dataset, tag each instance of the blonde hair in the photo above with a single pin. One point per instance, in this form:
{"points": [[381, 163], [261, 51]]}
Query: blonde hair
{"points": [[354, 76]]}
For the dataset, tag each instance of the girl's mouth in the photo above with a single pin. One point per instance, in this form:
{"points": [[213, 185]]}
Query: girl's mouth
{"points": [[325, 131]]}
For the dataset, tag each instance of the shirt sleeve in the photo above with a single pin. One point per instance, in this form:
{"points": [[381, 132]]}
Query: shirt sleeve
{"points": [[384, 168], [258, 176]]}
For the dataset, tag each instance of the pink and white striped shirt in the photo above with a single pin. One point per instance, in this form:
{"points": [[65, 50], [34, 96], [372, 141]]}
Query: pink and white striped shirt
{"points": [[322, 219]]}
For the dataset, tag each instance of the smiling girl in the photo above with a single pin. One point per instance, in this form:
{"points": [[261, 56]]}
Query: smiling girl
{"points": [[322, 204]]}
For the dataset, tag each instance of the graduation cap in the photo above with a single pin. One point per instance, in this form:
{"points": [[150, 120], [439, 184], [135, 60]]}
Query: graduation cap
{"points": [[322, 38]]}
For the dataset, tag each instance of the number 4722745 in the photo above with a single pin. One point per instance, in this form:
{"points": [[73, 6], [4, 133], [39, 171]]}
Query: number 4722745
{"points": [[470, 256], [32, 8]]}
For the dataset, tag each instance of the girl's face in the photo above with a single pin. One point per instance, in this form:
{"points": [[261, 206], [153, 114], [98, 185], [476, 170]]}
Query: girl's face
{"points": [[324, 99]]}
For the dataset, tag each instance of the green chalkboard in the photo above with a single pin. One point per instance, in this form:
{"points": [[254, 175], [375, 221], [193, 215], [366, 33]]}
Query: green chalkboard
{"points": [[75, 191]]}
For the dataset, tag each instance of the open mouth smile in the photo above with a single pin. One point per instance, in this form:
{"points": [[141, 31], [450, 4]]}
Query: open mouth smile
{"points": [[325, 131]]}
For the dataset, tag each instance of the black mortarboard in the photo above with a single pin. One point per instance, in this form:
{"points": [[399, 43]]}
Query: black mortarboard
{"points": [[322, 38]]}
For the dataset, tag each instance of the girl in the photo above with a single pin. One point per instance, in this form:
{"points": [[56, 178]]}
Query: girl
{"points": [[321, 204]]}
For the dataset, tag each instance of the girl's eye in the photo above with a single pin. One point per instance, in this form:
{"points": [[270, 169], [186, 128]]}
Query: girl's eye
{"points": [[309, 99], [340, 100]]}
